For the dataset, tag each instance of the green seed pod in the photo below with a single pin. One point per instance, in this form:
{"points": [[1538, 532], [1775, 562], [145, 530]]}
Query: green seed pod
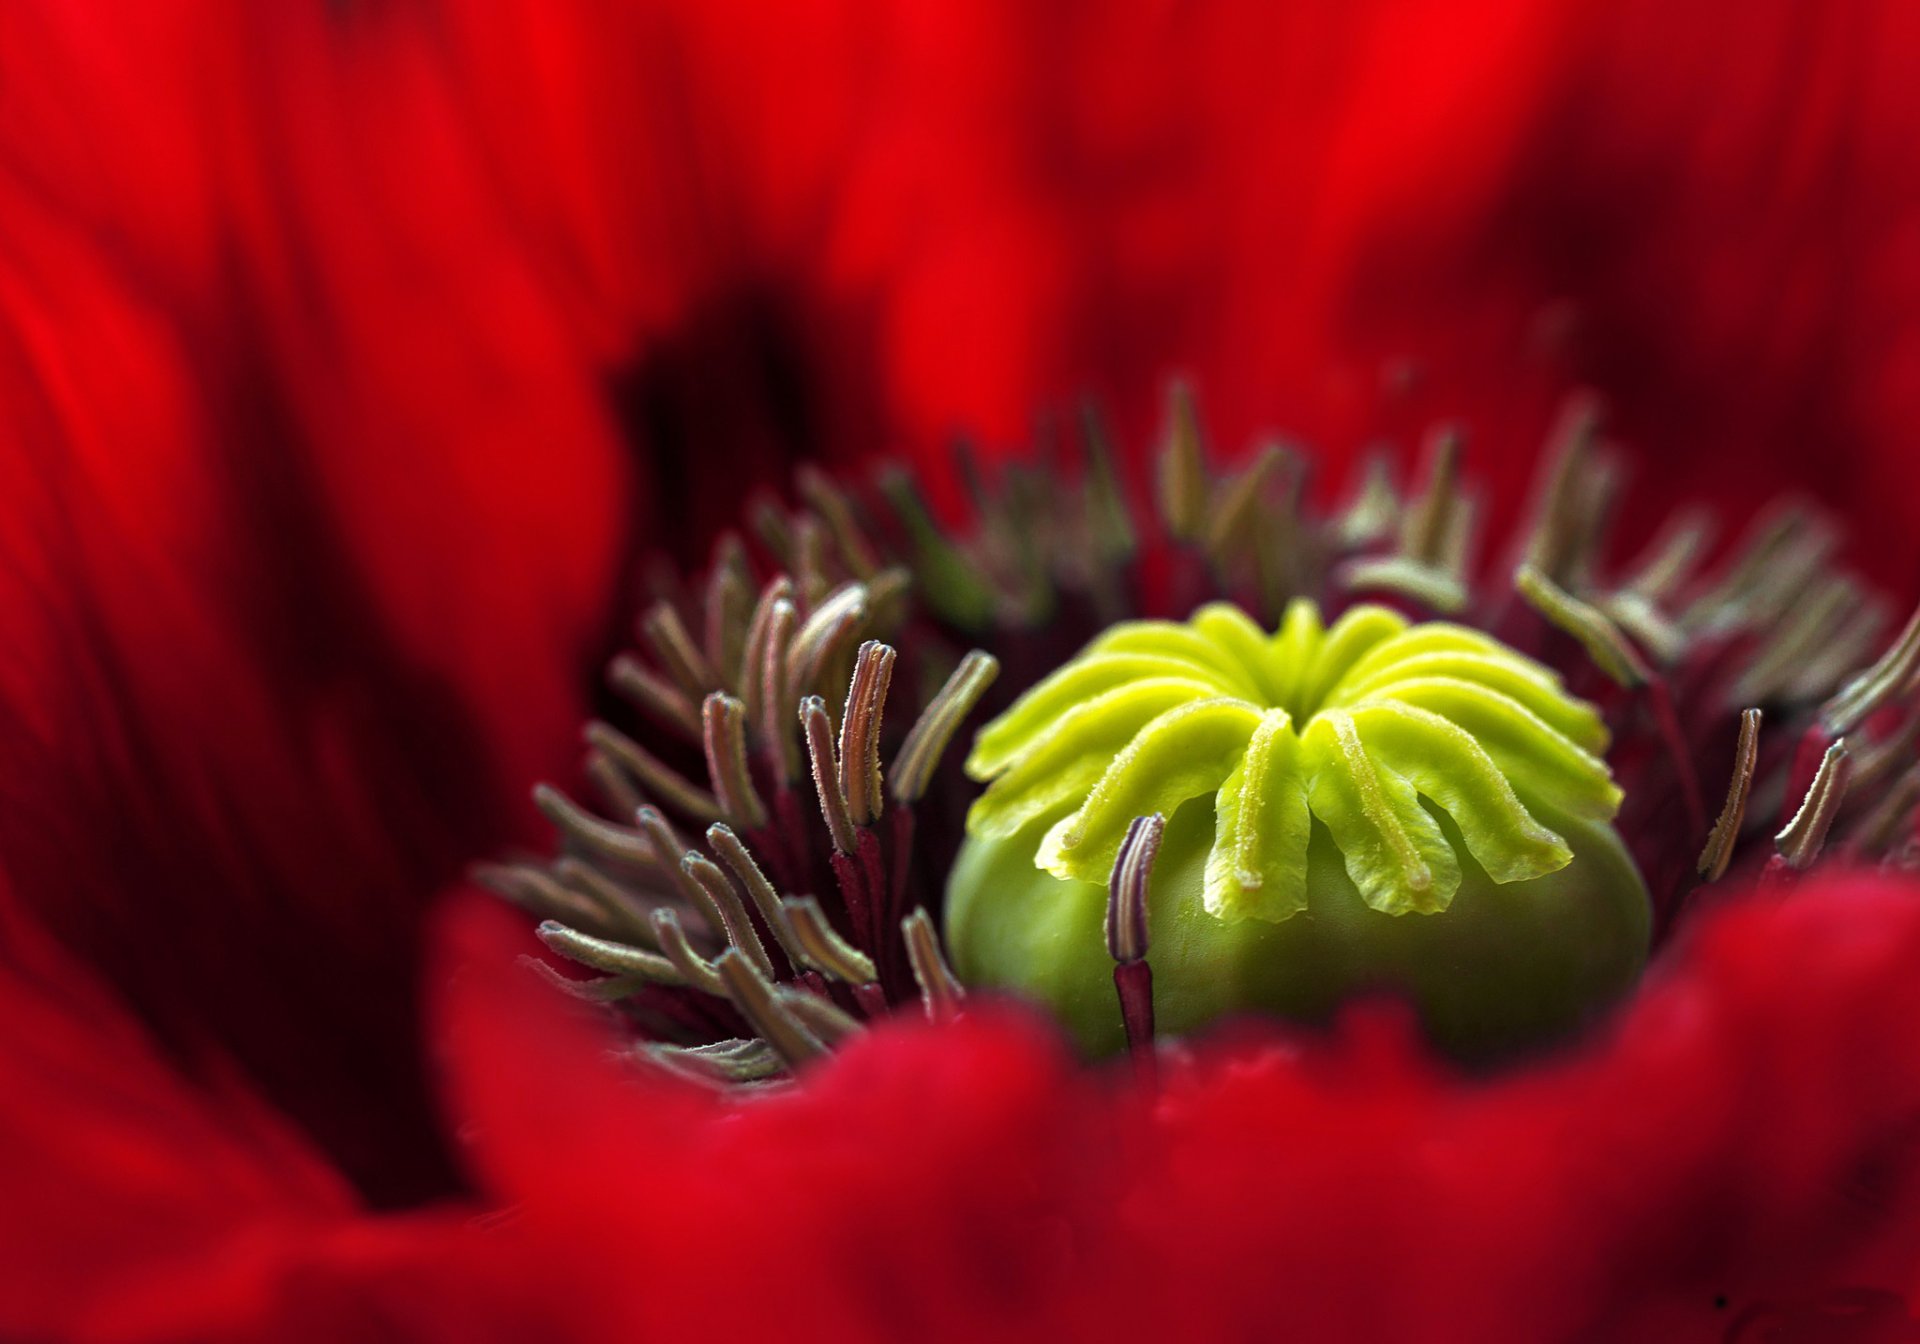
{"points": [[1375, 807]]}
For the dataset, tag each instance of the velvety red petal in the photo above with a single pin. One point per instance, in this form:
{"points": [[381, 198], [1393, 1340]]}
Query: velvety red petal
{"points": [[141, 1207], [1740, 1151]]}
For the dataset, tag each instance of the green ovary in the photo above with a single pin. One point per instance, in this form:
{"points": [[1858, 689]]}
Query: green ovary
{"points": [[1373, 808]]}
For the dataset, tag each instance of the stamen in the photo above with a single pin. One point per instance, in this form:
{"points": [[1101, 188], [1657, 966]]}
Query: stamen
{"points": [[1832, 663], [1236, 518], [1185, 484], [819, 1015], [836, 511], [1890, 818], [667, 636], [731, 1061], [826, 774], [725, 741], [822, 635], [1892, 675], [753, 995], [753, 653], [931, 733], [734, 853], [1610, 650], [732, 915], [1672, 558], [940, 989], [949, 581], [606, 989], [860, 780], [658, 698], [590, 832], [1436, 532], [1810, 626], [770, 524], [728, 600], [1726, 831], [1374, 514], [1567, 508], [535, 892], [655, 776], [1613, 653], [672, 938], [1804, 837], [810, 560], [1127, 932], [777, 705], [615, 788], [1429, 523], [669, 850], [605, 955], [1109, 518], [821, 948], [620, 906]]}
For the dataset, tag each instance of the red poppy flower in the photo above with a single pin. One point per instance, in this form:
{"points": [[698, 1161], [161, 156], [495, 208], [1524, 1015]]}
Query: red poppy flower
{"points": [[295, 605]]}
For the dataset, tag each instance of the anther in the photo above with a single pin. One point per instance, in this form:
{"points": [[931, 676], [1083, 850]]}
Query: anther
{"points": [[1806, 835], [818, 731], [1429, 522], [667, 636], [535, 892], [818, 1015], [777, 704], [590, 832], [1374, 513], [860, 781], [822, 948], [1726, 830], [619, 906], [604, 954], [760, 890], [1234, 521], [1610, 650], [654, 695], [822, 635], [719, 890], [1185, 485], [1893, 674], [948, 580], [927, 740], [940, 989], [613, 784], [1565, 522], [725, 741], [672, 938], [810, 560], [1808, 628], [753, 653], [734, 1061], [752, 993], [771, 525], [1888, 819], [1127, 931], [655, 777], [669, 850], [729, 599], [605, 989], [836, 511], [1109, 519]]}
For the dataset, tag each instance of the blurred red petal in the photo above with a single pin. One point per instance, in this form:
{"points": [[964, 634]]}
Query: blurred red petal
{"points": [[1744, 1144]]}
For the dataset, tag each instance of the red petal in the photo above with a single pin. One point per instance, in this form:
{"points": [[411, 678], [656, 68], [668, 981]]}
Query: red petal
{"points": [[1743, 1145]]}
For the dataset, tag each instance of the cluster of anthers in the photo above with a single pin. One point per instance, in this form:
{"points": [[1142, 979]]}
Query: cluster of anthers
{"points": [[810, 909]]}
